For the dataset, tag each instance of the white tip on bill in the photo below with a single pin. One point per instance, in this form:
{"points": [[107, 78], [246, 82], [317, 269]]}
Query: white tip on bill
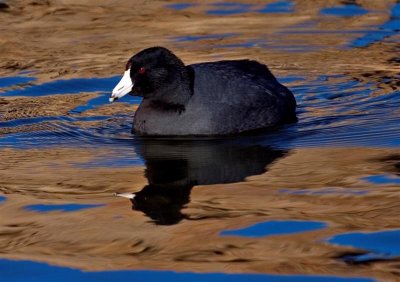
{"points": [[123, 87], [125, 195]]}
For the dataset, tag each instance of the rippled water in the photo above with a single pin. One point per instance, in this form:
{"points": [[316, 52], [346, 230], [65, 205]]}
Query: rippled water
{"points": [[52, 273], [64, 208], [339, 110], [313, 201], [270, 228], [381, 245]]}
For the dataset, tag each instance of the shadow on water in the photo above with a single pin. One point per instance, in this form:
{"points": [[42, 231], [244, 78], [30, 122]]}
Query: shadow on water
{"points": [[393, 163], [173, 168]]}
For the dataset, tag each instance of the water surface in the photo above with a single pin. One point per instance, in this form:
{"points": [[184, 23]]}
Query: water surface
{"points": [[289, 205], [50, 273], [43, 208], [275, 227], [380, 245]]}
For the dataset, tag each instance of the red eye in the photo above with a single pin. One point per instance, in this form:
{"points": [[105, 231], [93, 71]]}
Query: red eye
{"points": [[142, 70]]}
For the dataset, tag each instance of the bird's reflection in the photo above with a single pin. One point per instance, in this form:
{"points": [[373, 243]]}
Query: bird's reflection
{"points": [[174, 167]]}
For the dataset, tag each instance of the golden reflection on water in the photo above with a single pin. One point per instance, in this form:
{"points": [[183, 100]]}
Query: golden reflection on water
{"points": [[115, 237], [87, 40]]}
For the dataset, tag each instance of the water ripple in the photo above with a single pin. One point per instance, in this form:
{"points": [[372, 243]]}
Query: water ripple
{"points": [[333, 110]]}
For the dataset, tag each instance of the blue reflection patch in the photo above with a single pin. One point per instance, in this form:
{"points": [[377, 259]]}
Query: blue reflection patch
{"points": [[180, 6], [101, 100], [2, 199], [344, 11], [381, 245], [229, 8], [62, 207], [275, 227], [382, 179], [247, 44], [28, 271], [290, 79], [389, 28], [193, 38], [15, 80], [67, 86], [324, 191], [278, 7]]}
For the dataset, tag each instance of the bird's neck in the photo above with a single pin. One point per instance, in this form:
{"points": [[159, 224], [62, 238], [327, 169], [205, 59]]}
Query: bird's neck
{"points": [[176, 96]]}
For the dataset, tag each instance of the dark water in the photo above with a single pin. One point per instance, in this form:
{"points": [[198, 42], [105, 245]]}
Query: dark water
{"points": [[340, 110]]}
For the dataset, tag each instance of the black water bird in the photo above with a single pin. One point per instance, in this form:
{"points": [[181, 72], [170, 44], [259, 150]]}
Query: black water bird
{"points": [[204, 99]]}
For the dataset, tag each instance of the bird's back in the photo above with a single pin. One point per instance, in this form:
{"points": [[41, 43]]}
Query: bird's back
{"points": [[229, 97], [241, 95]]}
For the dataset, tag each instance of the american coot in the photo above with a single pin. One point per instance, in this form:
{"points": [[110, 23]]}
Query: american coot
{"points": [[211, 98]]}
